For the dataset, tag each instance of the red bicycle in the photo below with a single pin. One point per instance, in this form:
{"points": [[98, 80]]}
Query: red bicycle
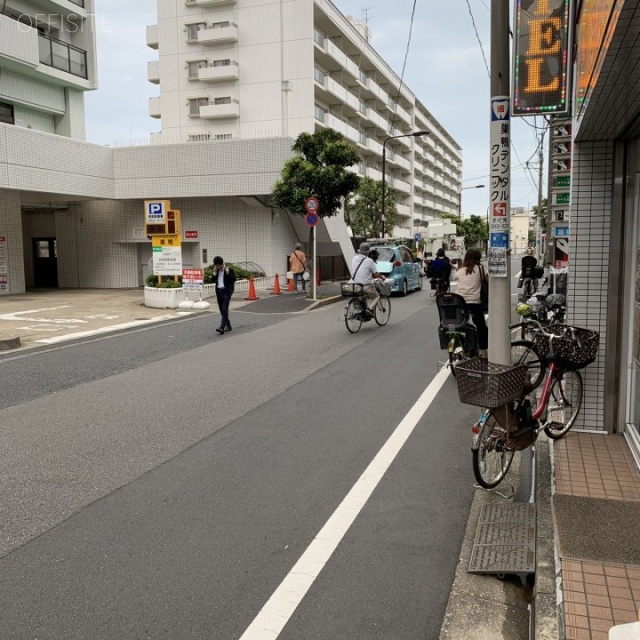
{"points": [[509, 422]]}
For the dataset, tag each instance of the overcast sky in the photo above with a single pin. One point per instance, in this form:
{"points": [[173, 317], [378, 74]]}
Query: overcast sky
{"points": [[445, 69]]}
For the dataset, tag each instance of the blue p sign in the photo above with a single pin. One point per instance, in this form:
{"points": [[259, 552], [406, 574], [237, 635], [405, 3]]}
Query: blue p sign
{"points": [[155, 210]]}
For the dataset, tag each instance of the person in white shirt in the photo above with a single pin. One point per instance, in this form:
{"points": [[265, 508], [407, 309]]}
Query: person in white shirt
{"points": [[364, 271]]}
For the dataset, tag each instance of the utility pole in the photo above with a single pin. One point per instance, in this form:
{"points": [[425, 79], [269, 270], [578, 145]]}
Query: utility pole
{"points": [[500, 167], [540, 252]]}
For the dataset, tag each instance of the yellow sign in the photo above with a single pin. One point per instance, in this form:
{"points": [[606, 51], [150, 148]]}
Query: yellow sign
{"points": [[541, 79], [166, 241]]}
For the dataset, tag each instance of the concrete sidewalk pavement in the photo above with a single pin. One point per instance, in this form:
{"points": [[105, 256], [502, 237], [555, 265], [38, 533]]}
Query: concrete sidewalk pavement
{"points": [[45, 317]]}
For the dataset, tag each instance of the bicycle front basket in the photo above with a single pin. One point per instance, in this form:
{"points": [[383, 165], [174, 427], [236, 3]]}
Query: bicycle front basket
{"points": [[383, 287], [573, 349], [486, 384], [350, 289]]}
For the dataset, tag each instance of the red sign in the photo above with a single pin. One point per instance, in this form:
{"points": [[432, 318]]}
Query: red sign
{"points": [[312, 205], [190, 234], [499, 209], [193, 275]]}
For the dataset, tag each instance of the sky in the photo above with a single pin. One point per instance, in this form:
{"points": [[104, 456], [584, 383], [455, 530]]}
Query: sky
{"points": [[445, 68]]}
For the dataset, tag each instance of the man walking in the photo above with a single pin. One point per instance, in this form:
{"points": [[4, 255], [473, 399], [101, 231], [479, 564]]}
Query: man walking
{"points": [[224, 278]]}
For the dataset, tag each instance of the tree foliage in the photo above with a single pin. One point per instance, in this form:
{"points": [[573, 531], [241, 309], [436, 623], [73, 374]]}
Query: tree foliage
{"points": [[318, 169], [363, 212], [473, 229], [543, 214]]}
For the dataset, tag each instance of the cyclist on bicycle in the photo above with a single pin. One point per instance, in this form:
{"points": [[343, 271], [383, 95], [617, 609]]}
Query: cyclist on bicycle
{"points": [[441, 269], [364, 271], [528, 268]]}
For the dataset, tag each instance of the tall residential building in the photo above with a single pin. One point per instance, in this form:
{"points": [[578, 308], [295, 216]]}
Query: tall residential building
{"points": [[246, 69], [48, 61]]}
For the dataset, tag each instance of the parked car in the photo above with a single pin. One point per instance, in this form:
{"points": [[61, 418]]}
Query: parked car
{"points": [[398, 263]]}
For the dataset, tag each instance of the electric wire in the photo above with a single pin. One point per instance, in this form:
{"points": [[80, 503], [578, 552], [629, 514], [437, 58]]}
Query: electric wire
{"points": [[475, 28]]}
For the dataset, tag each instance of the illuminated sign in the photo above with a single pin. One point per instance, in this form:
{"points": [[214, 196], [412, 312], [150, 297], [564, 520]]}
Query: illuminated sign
{"points": [[541, 48]]}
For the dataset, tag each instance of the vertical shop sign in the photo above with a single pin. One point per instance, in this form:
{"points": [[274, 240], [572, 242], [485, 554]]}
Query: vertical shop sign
{"points": [[4, 266], [500, 141]]}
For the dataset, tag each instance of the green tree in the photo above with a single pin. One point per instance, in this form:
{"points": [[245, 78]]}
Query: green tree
{"points": [[363, 212], [318, 169], [473, 229]]}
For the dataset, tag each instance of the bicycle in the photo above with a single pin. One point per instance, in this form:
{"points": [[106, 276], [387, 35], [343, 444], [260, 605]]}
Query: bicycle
{"points": [[551, 313], [457, 335], [508, 422], [356, 311], [438, 285]]}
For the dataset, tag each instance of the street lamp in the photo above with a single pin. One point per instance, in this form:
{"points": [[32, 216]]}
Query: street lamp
{"points": [[476, 186], [415, 134]]}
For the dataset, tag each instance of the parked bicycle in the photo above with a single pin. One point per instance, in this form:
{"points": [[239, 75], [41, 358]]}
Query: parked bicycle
{"points": [[356, 311], [508, 422], [456, 332], [552, 312]]}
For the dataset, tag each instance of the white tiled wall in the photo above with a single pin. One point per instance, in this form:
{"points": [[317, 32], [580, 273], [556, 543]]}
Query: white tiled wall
{"points": [[11, 229], [587, 300]]}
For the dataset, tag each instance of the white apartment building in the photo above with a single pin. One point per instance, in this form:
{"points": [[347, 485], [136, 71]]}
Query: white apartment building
{"points": [[71, 212], [246, 69]]}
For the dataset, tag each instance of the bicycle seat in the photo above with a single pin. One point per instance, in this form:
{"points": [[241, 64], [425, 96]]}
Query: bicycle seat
{"points": [[555, 300], [453, 311]]}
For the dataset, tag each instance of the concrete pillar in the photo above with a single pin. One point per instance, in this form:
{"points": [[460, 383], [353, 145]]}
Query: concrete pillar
{"points": [[11, 247]]}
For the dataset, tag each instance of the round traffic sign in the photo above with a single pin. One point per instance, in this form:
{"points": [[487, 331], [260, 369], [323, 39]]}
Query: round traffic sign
{"points": [[311, 205], [312, 219]]}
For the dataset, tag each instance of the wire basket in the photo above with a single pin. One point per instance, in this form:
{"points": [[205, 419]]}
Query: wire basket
{"points": [[350, 289], [573, 348], [486, 384], [383, 287]]}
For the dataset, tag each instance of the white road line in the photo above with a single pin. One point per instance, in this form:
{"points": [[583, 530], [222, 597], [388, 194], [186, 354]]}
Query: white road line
{"points": [[275, 614], [113, 327]]}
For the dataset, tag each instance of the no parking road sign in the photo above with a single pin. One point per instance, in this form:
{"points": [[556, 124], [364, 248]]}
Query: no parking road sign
{"points": [[312, 205], [312, 219]]}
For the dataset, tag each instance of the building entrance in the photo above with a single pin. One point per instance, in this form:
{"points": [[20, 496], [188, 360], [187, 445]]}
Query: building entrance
{"points": [[45, 263]]}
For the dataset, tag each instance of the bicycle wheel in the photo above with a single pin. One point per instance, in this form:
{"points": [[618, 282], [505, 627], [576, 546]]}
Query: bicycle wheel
{"points": [[456, 352], [564, 405], [382, 312], [491, 460], [353, 316], [524, 352]]}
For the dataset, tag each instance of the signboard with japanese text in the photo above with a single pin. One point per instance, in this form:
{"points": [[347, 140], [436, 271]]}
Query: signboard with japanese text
{"points": [[167, 256], [500, 168], [542, 43], [4, 266], [192, 280]]}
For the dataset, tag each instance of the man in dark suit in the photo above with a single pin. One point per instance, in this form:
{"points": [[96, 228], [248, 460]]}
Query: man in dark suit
{"points": [[224, 278]]}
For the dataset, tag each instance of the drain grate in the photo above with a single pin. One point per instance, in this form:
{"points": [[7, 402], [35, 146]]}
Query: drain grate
{"points": [[505, 540]]}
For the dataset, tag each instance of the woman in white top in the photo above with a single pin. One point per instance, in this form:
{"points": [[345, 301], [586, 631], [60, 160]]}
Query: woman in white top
{"points": [[469, 277]]}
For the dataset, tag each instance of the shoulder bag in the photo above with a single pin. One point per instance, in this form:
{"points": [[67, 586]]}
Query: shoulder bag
{"points": [[484, 290]]}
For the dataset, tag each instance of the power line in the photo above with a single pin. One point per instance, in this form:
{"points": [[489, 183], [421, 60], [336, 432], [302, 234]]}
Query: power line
{"points": [[473, 21], [404, 64]]}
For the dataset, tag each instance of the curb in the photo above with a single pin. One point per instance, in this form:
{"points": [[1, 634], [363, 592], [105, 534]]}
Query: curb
{"points": [[7, 344], [323, 302]]}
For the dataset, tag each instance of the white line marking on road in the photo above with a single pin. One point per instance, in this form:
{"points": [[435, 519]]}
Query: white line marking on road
{"points": [[113, 327], [277, 611]]}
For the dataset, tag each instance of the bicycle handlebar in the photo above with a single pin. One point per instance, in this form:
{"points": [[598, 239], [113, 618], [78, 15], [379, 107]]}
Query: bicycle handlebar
{"points": [[550, 335]]}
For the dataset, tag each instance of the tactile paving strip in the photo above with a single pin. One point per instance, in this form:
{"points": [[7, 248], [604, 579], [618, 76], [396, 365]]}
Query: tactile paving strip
{"points": [[505, 541]]}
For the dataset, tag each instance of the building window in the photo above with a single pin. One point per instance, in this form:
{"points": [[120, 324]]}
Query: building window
{"points": [[222, 63], [224, 136], [6, 113], [194, 66], [199, 137], [318, 38], [59, 55], [319, 113], [192, 31], [318, 75], [225, 100], [195, 104]]}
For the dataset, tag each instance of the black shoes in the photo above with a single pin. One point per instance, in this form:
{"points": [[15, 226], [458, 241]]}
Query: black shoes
{"points": [[221, 329]]}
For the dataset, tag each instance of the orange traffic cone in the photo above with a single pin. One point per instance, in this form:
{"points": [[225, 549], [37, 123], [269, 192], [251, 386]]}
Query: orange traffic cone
{"points": [[290, 284], [276, 286], [252, 290]]}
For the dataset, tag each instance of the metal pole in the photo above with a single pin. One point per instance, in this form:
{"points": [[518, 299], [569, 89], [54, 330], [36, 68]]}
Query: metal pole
{"points": [[539, 249], [500, 273], [314, 275], [384, 180]]}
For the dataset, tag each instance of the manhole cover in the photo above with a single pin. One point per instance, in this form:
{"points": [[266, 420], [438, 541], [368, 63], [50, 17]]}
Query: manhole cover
{"points": [[505, 540]]}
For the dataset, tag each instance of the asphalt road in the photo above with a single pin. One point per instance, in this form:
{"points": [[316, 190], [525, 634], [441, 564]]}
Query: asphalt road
{"points": [[162, 483]]}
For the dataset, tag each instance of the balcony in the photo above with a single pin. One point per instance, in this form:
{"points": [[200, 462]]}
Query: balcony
{"points": [[217, 72], [218, 33], [153, 71], [221, 108], [18, 44], [401, 185], [154, 107], [152, 36], [207, 3], [60, 55]]}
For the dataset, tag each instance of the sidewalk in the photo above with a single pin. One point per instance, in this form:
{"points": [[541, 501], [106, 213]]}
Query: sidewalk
{"points": [[46, 317]]}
